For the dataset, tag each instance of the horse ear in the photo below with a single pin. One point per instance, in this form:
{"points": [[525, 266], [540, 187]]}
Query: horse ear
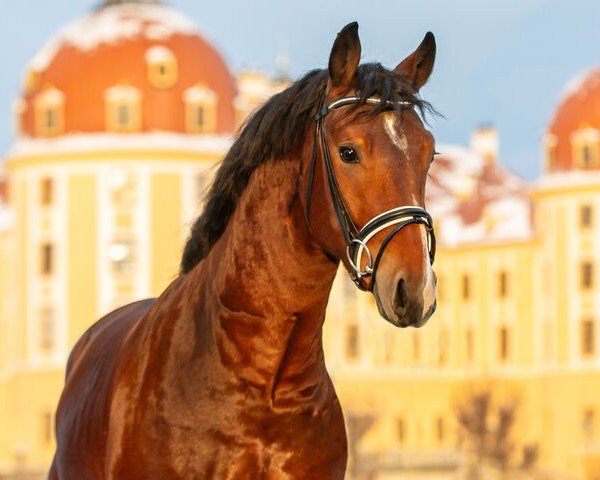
{"points": [[417, 67], [344, 57]]}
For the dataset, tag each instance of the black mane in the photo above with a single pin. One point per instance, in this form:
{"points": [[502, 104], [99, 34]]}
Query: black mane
{"points": [[278, 128]]}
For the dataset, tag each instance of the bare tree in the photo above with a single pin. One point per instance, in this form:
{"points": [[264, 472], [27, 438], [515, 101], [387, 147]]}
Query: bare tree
{"points": [[486, 438]]}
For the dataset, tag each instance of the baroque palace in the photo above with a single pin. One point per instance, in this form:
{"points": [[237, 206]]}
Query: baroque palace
{"points": [[120, 122]]}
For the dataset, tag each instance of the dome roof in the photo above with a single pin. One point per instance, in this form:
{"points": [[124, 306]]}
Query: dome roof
{"points": [[112, 47], [578, 111]]}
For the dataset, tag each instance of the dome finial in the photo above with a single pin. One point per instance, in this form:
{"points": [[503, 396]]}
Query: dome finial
{"points": [[110, 3]]}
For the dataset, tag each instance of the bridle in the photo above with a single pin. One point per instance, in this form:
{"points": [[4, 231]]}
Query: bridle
{"points": [[357, 239]]}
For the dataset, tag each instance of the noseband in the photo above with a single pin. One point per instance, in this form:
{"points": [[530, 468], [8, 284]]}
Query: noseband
{"points": [[357, 239]]}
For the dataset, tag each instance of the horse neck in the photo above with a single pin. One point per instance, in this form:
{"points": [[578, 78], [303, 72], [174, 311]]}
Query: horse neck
{"points": [[269, 289]]}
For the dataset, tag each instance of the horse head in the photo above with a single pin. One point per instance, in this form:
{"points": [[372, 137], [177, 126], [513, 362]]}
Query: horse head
{"points": [[365, 178]]}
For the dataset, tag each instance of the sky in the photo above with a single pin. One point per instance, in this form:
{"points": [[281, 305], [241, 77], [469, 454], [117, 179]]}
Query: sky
{"points": [[500, 62]]}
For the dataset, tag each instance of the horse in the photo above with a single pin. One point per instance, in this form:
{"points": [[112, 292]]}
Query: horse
{"points": [[223, 376]]}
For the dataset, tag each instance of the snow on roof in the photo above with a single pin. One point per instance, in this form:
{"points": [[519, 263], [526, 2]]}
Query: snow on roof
{"points": [[111, 25], [474, 201], [575, 85], [102, 142]]}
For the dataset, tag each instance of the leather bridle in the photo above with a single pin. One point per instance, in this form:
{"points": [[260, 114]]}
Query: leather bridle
{"points": [[356, 239]]}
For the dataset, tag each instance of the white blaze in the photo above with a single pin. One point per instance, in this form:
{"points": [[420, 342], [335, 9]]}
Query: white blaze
{"points": [[429, 289], [390, 123]]}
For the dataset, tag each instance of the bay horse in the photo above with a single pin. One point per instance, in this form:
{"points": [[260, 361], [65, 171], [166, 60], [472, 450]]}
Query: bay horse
{"points": [[223, 376]]}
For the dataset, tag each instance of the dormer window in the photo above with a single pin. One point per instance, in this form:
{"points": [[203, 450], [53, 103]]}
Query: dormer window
{"points": [[585, 145], [123, 109], [49, 112], [162, 67], [200, 109]]}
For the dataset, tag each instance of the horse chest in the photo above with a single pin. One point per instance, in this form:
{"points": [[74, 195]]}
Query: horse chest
{"points": [[237, 443]]}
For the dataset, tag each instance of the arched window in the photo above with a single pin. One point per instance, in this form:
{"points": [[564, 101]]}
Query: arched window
{"points": [[49, 112], [162, 67], [200, 109], [123, 109]]}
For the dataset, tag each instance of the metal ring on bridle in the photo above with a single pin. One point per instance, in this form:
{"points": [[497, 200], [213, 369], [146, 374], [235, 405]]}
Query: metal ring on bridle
{"points": [[356, 268]]}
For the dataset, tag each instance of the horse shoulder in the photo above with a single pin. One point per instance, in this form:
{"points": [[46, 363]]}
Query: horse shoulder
{"points": [[83, 410]]}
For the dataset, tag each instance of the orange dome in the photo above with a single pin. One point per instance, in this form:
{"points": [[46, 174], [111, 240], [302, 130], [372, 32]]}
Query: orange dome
{"points": [[113, 47], [578, 111]]}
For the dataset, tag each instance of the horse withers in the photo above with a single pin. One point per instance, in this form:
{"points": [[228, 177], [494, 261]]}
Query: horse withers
{"points": [[223, 376]]}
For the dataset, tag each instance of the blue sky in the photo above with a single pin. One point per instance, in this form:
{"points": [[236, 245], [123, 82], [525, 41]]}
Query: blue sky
{"points": [[504, 62]]}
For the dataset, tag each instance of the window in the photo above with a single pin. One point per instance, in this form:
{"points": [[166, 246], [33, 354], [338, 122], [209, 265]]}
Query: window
{"points": [[586, 216], [401, 430], [503, 343], [123, 109], [466, 287], [162, 67], [586, 156], [46, 191], [123, 115], [503, 284], [47, 328], [199, 121], [470, 345], [49, 112], [47, 263], [588, 343], [588, 420], [200, 111], [440, 431], [587, 275], [352, 341], [121, 255]]}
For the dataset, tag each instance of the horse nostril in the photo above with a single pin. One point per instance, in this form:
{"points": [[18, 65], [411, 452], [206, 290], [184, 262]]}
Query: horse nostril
{"points": [[401, 298]]}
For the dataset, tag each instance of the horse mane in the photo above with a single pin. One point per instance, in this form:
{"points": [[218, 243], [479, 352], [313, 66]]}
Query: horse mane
{"points": [[277, 129]]}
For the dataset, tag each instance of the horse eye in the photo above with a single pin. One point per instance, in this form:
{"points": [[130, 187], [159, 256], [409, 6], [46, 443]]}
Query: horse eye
{"points": [[349, 155]]}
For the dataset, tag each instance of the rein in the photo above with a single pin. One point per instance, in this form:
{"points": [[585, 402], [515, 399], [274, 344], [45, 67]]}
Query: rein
{"points": [[357, 239]]}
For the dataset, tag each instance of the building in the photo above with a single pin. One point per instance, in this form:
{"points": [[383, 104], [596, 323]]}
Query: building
{"points": [[121, 118], [518, 306]]}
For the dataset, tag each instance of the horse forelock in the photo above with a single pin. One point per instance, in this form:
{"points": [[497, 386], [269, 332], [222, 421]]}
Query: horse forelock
{"points": [[277, 130]]}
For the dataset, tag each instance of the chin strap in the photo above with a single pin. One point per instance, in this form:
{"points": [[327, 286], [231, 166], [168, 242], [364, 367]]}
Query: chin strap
{"points": [[356, 239]]}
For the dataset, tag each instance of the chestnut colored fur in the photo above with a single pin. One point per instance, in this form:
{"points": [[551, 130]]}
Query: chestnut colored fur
{"points": [[223, 376]]}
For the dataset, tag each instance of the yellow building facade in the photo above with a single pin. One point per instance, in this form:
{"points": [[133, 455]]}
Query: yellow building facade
{"points": [[108, 171]]}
